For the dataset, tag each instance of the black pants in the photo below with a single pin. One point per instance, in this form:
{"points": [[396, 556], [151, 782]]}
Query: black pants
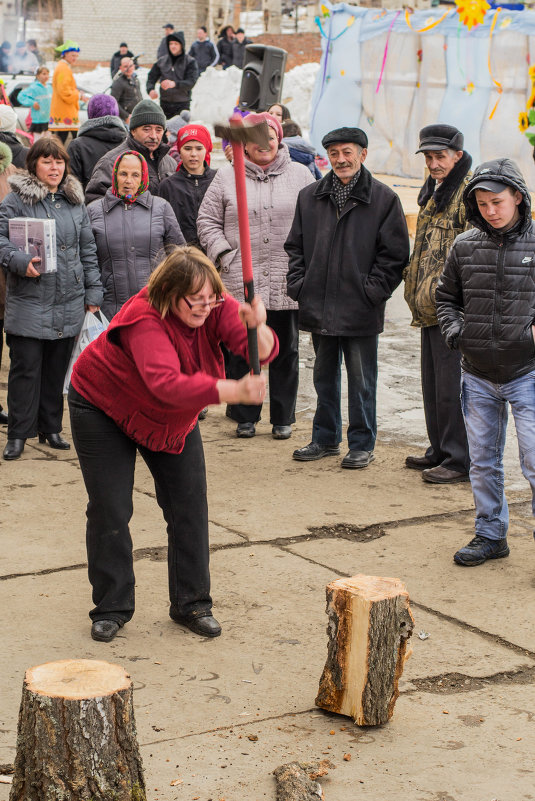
{"points": [[172, 109], [35, 385], [107, 459], [441, 389], [283, 373]]}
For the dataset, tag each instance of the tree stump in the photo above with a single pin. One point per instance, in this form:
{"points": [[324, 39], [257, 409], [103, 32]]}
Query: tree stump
{"points": [[369, 624], [76, 738]]}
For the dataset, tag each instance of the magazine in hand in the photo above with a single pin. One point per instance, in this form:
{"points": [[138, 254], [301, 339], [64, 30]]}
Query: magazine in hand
{"points": [[37, 238]]}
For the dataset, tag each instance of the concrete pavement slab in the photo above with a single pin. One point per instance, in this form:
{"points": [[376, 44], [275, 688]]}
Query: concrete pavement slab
{"points": [[194, 697], [496, 597]]}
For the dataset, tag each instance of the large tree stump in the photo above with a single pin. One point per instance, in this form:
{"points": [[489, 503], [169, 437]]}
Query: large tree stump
{"points": [[369, 624], [76, 738]]}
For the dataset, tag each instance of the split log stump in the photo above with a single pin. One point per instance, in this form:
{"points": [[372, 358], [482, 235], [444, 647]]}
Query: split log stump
{"points": [[369, 624], [76, 738]]}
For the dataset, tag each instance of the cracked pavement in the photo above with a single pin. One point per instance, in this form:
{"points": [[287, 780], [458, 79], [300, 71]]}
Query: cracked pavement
{"points": [[221, 715]]}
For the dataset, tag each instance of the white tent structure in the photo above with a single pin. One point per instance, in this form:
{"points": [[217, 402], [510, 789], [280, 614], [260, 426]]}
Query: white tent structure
{"points": [[381, 72]]}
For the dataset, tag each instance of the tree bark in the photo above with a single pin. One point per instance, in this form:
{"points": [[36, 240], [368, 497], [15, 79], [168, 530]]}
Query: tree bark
{"points": [[369, 624], [296, 781], [76, 738]]}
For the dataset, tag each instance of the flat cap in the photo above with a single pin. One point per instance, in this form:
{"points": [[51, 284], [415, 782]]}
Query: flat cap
{"points": [[355, 135], [440, 137]]}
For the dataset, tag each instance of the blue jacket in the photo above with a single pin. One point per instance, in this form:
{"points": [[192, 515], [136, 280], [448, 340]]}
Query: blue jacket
{"points": [[43, 95]]}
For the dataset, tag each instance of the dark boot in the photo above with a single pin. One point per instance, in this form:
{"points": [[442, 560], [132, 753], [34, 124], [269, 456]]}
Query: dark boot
{"points": [[14, 448]]}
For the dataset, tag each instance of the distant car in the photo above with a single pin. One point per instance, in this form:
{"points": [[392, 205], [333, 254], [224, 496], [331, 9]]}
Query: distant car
{"points": [[13, 84]]}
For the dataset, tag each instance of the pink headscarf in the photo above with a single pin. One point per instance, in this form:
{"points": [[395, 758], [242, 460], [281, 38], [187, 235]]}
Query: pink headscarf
{"points": [[254, 119]]}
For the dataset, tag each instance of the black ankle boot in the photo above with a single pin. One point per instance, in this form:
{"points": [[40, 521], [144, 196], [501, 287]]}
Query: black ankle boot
{"points": [[55, 441], [14, 448]]}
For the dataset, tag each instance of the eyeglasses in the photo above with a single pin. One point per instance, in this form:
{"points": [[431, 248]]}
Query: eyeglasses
{"points": [[198, 304]]}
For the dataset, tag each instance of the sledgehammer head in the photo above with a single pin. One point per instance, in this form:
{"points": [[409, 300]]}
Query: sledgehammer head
{"points": [[239, 132]]}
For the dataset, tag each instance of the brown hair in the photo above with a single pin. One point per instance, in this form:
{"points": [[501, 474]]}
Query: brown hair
{"points": [[39, 70], [183, 272], [44, 147], [285, 111], [291, 128]]}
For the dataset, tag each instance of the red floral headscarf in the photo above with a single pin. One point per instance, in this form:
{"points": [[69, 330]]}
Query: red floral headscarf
{"points": [[143, 186]]}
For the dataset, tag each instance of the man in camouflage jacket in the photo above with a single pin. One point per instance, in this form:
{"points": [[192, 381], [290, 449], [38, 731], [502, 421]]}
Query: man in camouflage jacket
{"points": [[441, 218]]}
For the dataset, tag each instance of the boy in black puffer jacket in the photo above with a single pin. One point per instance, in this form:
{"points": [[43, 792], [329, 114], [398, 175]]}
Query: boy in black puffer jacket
{"points": [[486, 309]]}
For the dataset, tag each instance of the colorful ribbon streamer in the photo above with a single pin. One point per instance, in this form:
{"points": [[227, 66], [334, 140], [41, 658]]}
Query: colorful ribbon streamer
{"points": [[426, 27], [496, 83], [385, 54]]}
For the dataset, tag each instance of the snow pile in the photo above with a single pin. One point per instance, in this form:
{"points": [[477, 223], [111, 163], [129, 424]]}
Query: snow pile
{"points": [[215, 94], [297, 92]]}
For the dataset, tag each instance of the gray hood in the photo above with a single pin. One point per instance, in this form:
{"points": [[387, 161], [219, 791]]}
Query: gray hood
{"points": [[507, 172], [108, 121]]}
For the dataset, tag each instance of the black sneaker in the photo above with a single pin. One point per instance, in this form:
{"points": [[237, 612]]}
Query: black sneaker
{"points": [[479, 550], [314, 451]]}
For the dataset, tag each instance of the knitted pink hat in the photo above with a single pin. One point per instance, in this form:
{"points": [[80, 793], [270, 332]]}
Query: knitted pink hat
{"points": [[254, 119]]}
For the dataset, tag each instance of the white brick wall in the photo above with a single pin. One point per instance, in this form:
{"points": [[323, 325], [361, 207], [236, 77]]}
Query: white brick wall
{"points": [[100, 25]]}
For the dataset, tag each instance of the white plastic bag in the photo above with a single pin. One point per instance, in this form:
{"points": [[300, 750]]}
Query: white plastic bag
{"points": [[92, 327]]}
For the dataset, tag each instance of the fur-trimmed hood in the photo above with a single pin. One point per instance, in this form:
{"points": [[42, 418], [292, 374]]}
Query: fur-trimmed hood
{"points": [[31, 190]]}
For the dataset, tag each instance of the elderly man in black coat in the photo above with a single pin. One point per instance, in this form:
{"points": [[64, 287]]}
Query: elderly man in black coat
{"points": [[347, 249]]}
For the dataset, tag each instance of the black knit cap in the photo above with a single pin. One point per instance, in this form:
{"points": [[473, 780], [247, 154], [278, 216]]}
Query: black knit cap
{"points": [[440, 137], [339, 135], [147, 113]]}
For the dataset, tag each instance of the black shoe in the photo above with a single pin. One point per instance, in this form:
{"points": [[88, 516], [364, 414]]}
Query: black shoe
{"points": [[281, 432], [202, 415], [205, 625], [419, 462], [55, 441], [14, 448], [245, 430], [314, 451], [104, 630], [3, 418], [443, 475], [479, 550], [356, 459]]}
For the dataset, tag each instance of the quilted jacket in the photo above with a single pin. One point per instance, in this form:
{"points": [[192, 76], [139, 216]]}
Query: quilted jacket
{"points": [[271, 197], [52, 306], [486, 294]]}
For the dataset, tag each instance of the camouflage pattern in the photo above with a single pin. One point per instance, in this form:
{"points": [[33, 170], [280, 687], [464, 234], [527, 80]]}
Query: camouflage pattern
{"points": [[435, 232]]}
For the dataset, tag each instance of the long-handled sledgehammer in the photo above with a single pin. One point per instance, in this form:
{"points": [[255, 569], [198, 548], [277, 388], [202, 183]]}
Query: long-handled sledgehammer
{"points": [[239, 134]]}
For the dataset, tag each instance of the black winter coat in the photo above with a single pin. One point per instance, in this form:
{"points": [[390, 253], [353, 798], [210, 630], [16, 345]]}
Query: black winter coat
{"points": [[185, 193], [115, 61], [19, 152], [486, 294], [238, 51], [204, 53], [344, 267], [127, 93], [226, 53], [95, 138], [183, 70]]}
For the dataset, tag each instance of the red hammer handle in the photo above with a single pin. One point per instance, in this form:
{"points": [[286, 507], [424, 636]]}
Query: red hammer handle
{"points": [[245, 244]]}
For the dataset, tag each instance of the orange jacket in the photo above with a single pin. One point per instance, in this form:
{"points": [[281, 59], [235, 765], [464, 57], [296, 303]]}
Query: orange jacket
{"points": [[65, 95]]}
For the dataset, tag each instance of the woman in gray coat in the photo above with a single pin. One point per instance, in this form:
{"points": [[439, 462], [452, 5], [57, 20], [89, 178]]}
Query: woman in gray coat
{"points": [[132, 229], [44, 312], [273, 184]]}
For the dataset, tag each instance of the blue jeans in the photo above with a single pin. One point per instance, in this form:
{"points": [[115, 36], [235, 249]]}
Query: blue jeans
{"points": [[360, 356], [484, 407]]}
